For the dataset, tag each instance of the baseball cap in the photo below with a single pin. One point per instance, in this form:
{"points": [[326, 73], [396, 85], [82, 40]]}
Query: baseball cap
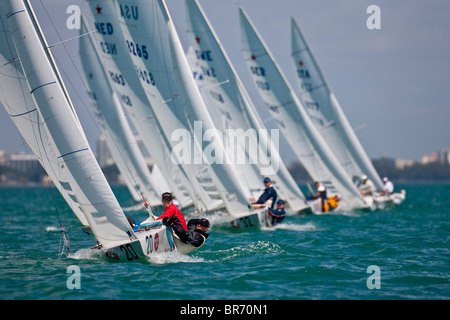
{"points": [[167, 196], [280, 201], [267, 179], [204, 222]]}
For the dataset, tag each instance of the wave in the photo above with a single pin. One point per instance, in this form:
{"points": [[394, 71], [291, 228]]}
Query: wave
{"points": [[52, 229], [292, 227], [255, 248], [172, 257]]}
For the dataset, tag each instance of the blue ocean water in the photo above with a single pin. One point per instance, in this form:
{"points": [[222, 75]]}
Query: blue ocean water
{"points": [[400, 253]]}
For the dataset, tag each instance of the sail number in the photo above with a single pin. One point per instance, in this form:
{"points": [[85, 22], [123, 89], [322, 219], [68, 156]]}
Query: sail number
{"points": [[117, 78], [126, 99], [129, 251], [247, 223], [138, 50], [217, 96], [149, 240], [311, 105], [303, 73], [258, 71], [306, 86], [263, 85], [145, 76]]}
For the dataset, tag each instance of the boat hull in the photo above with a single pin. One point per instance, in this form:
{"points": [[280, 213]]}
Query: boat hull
{"points": [[252, 220], [150, 241]]}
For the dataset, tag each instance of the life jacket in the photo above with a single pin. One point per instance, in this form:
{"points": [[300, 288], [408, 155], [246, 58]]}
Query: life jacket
{"points": [[330, 204]]}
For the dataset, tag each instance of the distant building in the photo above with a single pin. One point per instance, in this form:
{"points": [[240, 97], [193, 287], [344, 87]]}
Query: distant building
{"points": [[443, 156], [429, 158], [3, 158], [22, 162], [401, 164]]}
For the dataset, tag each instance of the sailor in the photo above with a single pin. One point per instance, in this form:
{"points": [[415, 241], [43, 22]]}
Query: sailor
{"points": [[268, 197], [331, 203], [321, 191], [196, 232], [277, 214], [320, 194], [388, 187], [368, 187], [172, 213]]}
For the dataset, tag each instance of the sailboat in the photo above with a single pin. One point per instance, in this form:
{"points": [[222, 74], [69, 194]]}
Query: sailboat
{"points": [[225, 94], [50, 124], [119, 67], [285, 107], [329, 118], [179, 108], [114, 126]]}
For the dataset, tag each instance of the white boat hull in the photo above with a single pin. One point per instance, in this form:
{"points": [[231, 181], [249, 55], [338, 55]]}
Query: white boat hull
{"points": [[150, 241], [252, 220], [389, 201]]}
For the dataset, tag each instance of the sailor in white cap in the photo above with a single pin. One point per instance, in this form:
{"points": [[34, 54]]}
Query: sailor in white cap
{"points": [[368, 187], [388, 187]]}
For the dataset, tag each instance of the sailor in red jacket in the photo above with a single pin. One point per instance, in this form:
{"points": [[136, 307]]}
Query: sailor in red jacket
{"points": [[171, 212]]}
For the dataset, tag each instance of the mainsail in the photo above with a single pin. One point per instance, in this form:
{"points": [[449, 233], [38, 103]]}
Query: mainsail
{"points": [[114, 126], [121, 70], [327, 114], [146, 32], [16, 99], [71, 155], [157, 53], [222, 88], [309, 146]]}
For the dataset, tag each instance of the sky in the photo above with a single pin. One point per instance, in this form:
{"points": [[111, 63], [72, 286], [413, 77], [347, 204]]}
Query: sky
{"points": [[392, 83]]}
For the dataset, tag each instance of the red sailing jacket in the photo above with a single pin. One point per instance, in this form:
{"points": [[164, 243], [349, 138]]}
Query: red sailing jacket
{"points": [[171, 211]]}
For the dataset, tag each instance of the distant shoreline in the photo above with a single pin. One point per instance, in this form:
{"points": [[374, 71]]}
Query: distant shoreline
{"points": [[36, 185]]}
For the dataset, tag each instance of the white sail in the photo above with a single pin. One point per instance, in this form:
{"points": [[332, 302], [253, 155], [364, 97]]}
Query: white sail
{"points": [[114, 126], [309, 146], [327, 114], [75, 160], [175, 98], [226, 93], [144, 27], [16, 99], [121, 70]]}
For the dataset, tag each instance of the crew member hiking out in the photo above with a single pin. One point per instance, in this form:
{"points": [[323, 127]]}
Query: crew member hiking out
{"points": [[277, 214], [193, 233], [268, 197]]}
